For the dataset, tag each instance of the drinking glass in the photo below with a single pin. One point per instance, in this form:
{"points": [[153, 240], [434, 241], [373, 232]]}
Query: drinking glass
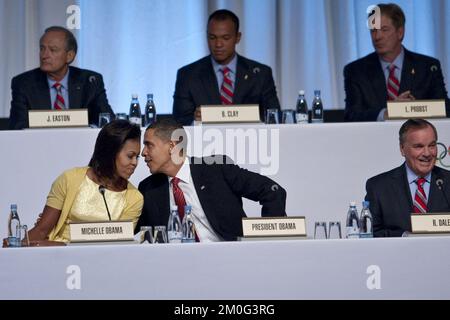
{"points": [[26, 239], [160, 234], [320, 230], [103, 118], [288, 116], [272, 116], [334, 230], [146, 235]]}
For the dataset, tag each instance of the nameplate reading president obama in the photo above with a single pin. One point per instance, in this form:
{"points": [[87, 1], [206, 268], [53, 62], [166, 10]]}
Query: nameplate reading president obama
{"points": [[416, 109], [274, 227], [230, 113], [101, 231], [58, 118]]}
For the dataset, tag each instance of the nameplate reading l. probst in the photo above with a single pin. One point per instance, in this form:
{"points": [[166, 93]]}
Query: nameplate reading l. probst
{"points": [[101, 231], [274, 227], [58, 118], [230, 113], [430, 223], [416, 109]]}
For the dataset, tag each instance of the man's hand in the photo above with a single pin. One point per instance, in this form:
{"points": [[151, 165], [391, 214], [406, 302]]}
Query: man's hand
{"points": [[198, 114], [405, 96]]}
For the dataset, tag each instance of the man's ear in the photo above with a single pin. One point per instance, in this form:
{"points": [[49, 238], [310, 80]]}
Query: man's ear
{"points": [[70, 56]]}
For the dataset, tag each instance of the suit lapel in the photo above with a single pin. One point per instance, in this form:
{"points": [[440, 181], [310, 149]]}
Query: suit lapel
{"points": [[402, 191], [41, 92], [209, 81], [377, 79], [242, 82], [408, 72], [161, 197], [75, 99]]}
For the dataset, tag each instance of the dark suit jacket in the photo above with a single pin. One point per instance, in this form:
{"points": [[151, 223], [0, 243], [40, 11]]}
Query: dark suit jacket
{"points": [[391, 200], [366, 90], [197, 85], [30, 91], [220, 188]]}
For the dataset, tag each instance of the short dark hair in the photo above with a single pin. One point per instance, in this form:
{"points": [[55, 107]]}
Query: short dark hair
{"points": [[223, 14], [394, 12], [71, 41], [412, 124], [164, 129], [110, 141]]}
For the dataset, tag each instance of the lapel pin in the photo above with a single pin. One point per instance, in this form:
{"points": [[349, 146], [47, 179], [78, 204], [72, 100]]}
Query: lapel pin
{"points": [[246, 77], [202, 187], [413, 71], [256, 70]]}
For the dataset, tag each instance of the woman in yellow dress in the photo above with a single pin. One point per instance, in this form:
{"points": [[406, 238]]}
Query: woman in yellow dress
{"points": [[75, 196]]}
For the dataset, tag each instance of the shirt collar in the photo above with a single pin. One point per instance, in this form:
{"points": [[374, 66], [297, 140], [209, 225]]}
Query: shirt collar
{"points": [[231, 65], [412, 177], [398, 61], [64, 81], [184, 174]]}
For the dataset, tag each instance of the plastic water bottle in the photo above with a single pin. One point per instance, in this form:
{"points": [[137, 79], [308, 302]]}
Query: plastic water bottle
{"points": [[317, 108], [174, 231], [365, 221], [150, 110], [135, 115], [14, 227], [301, 108], [188, 226], [352, 223]]}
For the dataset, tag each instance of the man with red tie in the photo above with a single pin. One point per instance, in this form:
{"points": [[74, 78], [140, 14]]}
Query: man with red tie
{"points": [[212, 186], [390, 73], [223, 77], [418, 185], [55, 85]]}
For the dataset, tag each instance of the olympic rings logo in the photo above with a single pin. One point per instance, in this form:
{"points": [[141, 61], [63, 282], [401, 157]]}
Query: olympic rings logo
{"points": [[443, 151]]}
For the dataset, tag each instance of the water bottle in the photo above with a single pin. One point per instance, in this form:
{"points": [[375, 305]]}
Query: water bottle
{"points": [[14, 227], [135, 111], [365, 221], [302, 108], [188, 226], [174, 231], [150, 110], [317, 108], [352, 222]]}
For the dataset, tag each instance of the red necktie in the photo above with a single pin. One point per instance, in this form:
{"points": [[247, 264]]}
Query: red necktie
{"points": [[393, 85], [59, 101], [420, 198], [178, 196], [226, 90]]}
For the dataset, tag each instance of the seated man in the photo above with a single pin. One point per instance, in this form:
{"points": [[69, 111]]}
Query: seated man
{"points": [[390, 73], [55, 85], [412, 187], [223, 77], [213, 186]]}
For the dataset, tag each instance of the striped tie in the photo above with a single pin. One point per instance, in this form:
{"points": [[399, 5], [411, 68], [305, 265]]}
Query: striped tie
{"points": [[178, 196], [420, 199], [393, 85], [226, 90], [59, 101]]}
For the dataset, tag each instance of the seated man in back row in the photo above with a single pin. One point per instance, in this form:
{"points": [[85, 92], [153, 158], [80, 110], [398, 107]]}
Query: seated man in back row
{"points": [[223, 77], [55, 85], [390, 73], [213, 186], [415, 186]]}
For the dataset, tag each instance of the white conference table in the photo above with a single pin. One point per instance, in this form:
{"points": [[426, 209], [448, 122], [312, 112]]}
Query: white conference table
{"points": [[396, 268], [322, 166]]}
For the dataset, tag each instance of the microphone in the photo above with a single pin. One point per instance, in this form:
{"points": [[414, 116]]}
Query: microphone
{"points": [[440, 185], [101, 189]]}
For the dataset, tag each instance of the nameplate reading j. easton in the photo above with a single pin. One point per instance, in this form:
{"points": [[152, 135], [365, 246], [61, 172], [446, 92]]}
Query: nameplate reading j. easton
{"points": [[274, 227], [416, 109], [58, 118], [430, 223], [101, 231], [230, 113]]}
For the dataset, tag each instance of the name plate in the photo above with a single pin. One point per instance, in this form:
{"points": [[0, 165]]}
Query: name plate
{"points": [[430, 223], [274, 227], [416, 109], [230, 113], [101, 231], [58, 118]]}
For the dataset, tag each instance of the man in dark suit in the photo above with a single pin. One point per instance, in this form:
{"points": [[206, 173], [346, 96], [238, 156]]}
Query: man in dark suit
{"points": [[202, 82], [213, 186], [55, 85], [412, 187], [390, 73]]}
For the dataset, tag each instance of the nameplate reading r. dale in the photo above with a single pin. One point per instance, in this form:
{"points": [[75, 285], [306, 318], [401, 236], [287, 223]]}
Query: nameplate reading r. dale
{"points": [[101, 231], [230, 113], [416, 109], [430, 223], [58, 118]]}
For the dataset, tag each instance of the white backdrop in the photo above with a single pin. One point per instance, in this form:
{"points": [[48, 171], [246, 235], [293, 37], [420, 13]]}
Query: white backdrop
{"points": [[138, 45]]}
